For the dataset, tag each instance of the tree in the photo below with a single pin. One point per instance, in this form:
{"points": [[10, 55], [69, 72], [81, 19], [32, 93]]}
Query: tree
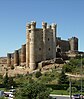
{"points": [[68, 68], [5, 80], [33, 91], [8, 81], [63, 79]]}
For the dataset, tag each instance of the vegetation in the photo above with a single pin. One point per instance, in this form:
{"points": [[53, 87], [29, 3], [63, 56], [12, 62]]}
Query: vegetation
{"points": [[38, 85], [32, 91], [63, 79], [73, 66], [73, 89], [2, 98], [38, 74], [8, 81]]}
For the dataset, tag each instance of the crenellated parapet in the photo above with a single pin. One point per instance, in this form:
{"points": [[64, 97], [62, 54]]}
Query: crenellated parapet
{"points": [[33, 25], [40, 46], [44, 25]]}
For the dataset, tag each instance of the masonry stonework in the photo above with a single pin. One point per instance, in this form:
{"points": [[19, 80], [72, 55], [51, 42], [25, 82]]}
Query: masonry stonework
{"points": [[8, 59], [41, 45]]}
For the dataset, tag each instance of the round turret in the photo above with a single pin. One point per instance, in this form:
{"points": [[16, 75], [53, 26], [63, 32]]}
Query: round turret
{"points": [[54, 28], [33, 25], [54, 25], [44, 25], [28, 26], [23, 54], [16, 58], [8, 59], [73, 44]]}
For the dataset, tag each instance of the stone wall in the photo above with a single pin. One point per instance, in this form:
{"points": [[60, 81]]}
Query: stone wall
{"points": [[63, 44], [3, 60], [41, 45]]}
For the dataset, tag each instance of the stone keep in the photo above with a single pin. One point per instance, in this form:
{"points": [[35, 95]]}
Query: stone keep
{"points": [[40, 43], [73, 44]]}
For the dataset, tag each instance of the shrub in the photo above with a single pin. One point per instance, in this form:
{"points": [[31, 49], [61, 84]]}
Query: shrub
{"points": [[58, 86], [8, 82], [38, 74], [73, 89], [2, 98], [63, 79], [32, 91]]}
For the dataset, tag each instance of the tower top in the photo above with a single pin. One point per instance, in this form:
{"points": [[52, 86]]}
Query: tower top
{"points": [[44, 24], [28, 25], [33, 24], [54, 25]]}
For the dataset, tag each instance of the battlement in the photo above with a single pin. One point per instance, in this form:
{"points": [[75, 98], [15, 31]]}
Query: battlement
{"points": [[41, 45], [32, 25]]}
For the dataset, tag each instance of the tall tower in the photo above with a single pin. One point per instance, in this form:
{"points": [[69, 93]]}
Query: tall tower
{"points": [[32, 63], [8, 59], [44, 26], [28, 30], [73, 44], [23, 54], [54, 28], [30, 46], [16, 58]]}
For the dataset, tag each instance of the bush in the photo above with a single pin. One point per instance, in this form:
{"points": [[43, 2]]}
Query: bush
{"points": [[67, 68], [58, 87], [32, 91], [38, 74], [63, 78], [73, 89], [8, 81]]}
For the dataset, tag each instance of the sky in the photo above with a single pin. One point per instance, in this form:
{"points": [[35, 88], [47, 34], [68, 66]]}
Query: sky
{"points": [[14, 14]]}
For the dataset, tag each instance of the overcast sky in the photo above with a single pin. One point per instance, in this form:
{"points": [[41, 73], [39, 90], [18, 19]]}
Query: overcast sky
{"points": [[14, 14]]}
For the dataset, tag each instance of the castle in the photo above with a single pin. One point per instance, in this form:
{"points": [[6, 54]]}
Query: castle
{"points": [[41, 45]]}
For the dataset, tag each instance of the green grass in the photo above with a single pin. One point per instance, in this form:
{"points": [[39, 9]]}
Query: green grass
{"points": [[2, 89], [60, 92], [64, 92]]}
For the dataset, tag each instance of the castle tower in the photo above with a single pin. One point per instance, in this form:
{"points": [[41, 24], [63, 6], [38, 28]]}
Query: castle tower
{"points": [[30, 45], [23, 54], [8, 59], [16, 58], [32, 63], [73, 44], [54, 28], [28, 30], [44, 26]]}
